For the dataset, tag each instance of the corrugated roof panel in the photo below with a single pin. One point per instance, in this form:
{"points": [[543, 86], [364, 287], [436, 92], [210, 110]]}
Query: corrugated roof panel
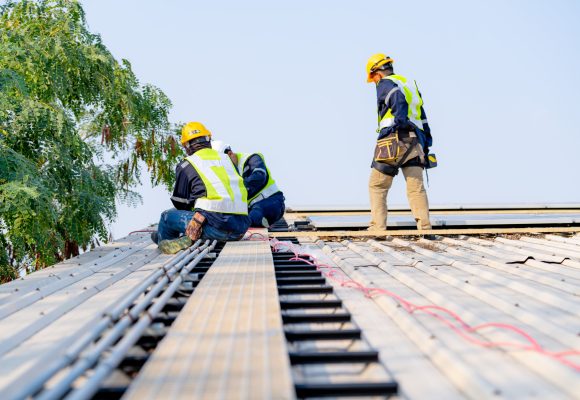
{"points": [[491, 286], [520, 289]]}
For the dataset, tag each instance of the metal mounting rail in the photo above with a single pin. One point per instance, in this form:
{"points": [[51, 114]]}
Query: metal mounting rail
{"points": [[228, 341], [289, 304], [320, 333], [346, 389], [107, 342], [135, 356], [279, 226]]}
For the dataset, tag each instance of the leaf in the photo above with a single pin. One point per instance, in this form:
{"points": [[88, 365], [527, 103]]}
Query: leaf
{"points": [[75, 123]]}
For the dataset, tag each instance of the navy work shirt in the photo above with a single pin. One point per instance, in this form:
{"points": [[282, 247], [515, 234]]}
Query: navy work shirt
{"points": [[255, 175], [399, 109]]}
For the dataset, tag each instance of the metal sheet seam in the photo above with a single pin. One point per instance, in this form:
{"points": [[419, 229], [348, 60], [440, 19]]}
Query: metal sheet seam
{"points": [[551, 244], [561, 376], [490, 250], [56, 360], [556, 238], [522, 287], [31, 296], [523, 244], [518, 273], [18, 337], [399, 354], [456, 370], [562, 272], [538, 255], [566, 337], [129, 338]]}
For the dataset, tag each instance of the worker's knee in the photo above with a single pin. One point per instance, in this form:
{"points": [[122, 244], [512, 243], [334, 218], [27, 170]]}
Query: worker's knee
{"points": [[415, 186], [164, 216]]}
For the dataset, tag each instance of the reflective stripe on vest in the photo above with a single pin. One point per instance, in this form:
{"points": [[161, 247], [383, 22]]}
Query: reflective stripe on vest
{"points": [[225, 191], [269, 189], [412, 97], [264, 194]]}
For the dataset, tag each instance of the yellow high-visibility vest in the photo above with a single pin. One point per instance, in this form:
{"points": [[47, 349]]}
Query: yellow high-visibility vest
{"points": [[269, 189], [413, 98], [225, 190]]}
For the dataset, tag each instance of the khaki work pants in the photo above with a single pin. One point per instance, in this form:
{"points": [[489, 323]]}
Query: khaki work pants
{"points": [[379, 185]]}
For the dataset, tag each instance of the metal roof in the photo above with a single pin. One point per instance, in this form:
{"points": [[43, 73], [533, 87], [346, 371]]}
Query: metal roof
{"points": [[473, 316], [528, 283]]}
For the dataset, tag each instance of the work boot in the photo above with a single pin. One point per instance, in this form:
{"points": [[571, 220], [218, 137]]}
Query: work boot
{"points": [[175, 245], [155, 237], [387, 238], [429, 237]]}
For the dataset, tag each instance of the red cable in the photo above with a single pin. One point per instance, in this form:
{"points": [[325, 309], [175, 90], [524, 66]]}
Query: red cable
{"points": [[249, 237], [464, 329]]}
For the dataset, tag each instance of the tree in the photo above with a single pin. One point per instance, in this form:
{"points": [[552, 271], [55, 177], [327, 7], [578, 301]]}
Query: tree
{"points": [[75, 125]]}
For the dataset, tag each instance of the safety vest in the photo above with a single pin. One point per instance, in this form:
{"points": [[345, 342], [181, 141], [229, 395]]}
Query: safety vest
{"points": [[225, 190], [413, 98], [269, 189]]}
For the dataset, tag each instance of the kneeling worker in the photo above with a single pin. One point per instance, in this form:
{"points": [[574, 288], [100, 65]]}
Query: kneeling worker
{"points": [[209, 196], [265, 200]]}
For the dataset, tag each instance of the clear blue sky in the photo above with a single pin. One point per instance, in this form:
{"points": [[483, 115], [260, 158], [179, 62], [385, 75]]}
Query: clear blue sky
{"points": [[499, 78]]}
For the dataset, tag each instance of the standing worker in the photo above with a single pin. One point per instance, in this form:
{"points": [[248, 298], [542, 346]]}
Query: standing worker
{"points": [[209, 196], [265, 200], [403, 142]]}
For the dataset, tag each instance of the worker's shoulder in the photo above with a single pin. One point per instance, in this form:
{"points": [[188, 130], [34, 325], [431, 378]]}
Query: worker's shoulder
{"points": [[255, 156], [185, 167], [256, 160], [386, 84], [183, 164]]}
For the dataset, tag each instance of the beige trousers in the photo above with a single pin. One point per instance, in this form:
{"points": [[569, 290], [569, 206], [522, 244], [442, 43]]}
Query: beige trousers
{"points": [[379, 185]]}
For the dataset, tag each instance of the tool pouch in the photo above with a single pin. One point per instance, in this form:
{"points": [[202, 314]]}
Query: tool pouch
{"points": [[388, 149], [431, 161], [394, 150]]}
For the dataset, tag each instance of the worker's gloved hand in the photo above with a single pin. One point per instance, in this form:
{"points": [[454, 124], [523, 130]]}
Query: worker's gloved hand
{"points": [[194, 228]]}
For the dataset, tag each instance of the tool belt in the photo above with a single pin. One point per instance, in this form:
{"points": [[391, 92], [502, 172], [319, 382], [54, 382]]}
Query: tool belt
{"points": [[394, 150]]}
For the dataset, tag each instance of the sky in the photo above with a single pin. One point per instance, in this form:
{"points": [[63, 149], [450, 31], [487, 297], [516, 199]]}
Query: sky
{"points": [[499, 79]]}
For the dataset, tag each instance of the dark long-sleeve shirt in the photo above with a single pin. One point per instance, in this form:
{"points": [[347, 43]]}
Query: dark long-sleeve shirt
{"points": [[255, 175], [188, 186], [388, 98]]}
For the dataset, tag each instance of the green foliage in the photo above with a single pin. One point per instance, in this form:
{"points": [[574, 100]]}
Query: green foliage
{"points": [[75, 125]]}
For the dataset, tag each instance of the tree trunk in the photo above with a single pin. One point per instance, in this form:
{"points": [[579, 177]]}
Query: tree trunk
{"points": [[71, 249]]}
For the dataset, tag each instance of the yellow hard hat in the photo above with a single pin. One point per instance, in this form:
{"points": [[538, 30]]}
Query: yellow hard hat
{"points": [[193, 130], [375, 61]]}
